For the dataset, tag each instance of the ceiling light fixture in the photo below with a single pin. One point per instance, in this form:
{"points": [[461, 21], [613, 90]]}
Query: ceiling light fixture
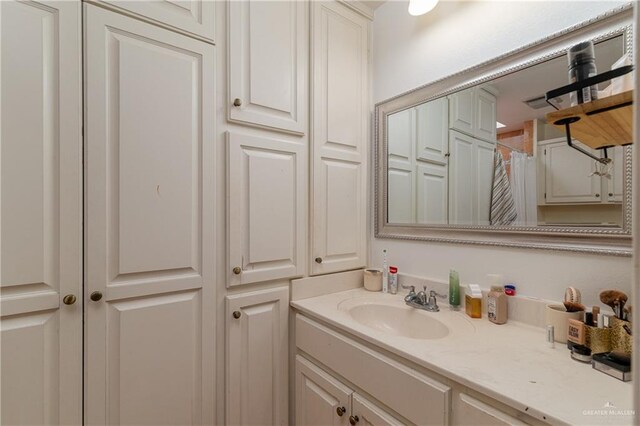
{"points": [[420, 7]]}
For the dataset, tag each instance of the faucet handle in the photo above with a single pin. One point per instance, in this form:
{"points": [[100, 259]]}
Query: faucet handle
{"points": [[434, 293]]}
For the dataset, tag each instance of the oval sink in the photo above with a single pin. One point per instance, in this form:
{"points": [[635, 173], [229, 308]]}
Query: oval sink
{"points": [[399, 321]]}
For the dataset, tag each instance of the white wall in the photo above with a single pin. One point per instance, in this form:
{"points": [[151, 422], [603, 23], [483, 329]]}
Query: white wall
{"points": [[412, 51]]}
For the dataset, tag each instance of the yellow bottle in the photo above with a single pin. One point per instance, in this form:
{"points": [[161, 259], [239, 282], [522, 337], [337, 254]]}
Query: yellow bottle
{"points": [[473, 301]]}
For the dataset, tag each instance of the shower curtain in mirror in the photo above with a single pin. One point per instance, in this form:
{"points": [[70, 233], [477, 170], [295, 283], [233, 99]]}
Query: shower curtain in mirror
{"points": [[523, 187]]}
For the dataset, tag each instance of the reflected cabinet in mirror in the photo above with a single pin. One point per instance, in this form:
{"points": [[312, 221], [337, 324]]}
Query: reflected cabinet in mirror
{"points": [[480, 157]]}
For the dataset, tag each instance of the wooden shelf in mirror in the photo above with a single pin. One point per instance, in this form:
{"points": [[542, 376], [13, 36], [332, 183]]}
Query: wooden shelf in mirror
{"points": [[602, 123]]}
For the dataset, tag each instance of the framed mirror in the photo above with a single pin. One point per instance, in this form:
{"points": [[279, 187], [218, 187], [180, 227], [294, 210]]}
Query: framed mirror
{"points": [[473, 158]]}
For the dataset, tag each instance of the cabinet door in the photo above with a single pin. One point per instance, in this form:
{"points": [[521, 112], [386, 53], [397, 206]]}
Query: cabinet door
{"points": [[268, 63], [486, 113], [340, 126], [473, 412], [484, 154], [615, 184], [461, 179], [567, 175], [149, 338], [41, 213], [402, 177], [462, 114], [257, 357], [432, 131], [266, 212], [432, 194], [193, 16], [320, 399], [370, 414]]}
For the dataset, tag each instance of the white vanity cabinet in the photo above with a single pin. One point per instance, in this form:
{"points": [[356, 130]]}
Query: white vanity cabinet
{"points": [[339, 137], [473, 112], [196, 17], [256, 358], [266, 221], [567, 175], [268, 47]]}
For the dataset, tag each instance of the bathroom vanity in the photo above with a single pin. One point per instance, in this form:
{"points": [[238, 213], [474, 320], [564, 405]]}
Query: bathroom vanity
{"points": [[367, 358]]}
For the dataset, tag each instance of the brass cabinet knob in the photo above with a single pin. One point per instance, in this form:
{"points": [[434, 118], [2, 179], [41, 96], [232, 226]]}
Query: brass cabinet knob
{"points": [[69, 299], [341, 411], [611, 194], [237, 102], [237, 314], [95, 296], [353, 419], [318, 260], [237, 270]]}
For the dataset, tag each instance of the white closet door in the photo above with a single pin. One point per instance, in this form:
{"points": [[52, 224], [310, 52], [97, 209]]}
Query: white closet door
{"points": [[432, 194], [41, 211], [266, 212], [402, 178], [257, 357], [339, 137], [462, 114], [432, 131], [486, 114], [268, 63], [194, 16], [484, 154], [462, 184], [149, 339]]}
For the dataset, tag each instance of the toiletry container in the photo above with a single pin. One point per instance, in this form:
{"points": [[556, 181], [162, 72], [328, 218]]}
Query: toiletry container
{"points": [[385, 272], [582, 65], [473, 301], [393, 280], [373, 279], [558, 317], [454, 290], [497, 305]]}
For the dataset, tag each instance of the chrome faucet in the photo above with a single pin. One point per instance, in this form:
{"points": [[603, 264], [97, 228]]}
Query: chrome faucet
{"points": [[422, 301]]}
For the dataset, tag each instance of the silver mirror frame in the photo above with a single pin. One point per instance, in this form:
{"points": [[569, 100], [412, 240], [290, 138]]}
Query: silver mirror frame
{"points": [[595, 240]]}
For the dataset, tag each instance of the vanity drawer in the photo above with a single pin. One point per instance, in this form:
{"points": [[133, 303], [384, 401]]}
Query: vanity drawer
{"points": [[420, 399]]}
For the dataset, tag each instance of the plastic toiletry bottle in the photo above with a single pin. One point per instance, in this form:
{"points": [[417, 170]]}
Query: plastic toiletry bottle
{"points": [[473, 301], [385, 272], [497, 305], [454, 290], [393, 279]]}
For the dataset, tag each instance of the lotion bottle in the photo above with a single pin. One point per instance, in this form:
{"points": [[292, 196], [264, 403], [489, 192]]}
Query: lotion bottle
{"points": [[454, 290]]}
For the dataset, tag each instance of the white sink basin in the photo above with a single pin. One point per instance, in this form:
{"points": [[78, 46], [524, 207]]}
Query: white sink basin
{"points": [[391, 316]]}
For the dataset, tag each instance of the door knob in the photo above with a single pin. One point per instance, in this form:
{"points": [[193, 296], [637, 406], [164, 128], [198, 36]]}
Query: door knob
{"points": [[95, 296], [611, 194], [237, 314], [69, 299], [354, 419], [318, 260], [237, 270], [237, 102], [597, 195], [341, 411]]}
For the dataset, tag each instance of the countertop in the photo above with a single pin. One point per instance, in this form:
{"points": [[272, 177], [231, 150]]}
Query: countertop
{"points": [[511, 363]]}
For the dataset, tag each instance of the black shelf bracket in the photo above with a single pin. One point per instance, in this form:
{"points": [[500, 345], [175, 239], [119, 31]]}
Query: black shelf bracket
{"points": [[567, 127]]}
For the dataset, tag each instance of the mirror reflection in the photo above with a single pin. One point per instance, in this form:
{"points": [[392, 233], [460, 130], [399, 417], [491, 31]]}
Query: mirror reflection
{"points": [[487, 156]]}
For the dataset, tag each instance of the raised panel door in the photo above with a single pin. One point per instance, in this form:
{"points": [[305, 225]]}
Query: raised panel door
{"points": [[432, 131], [462, 113], [267, 208], [461, 179], [432, 194], [268, 63], [193, 16], [339, 137], [484, 155], [41, 213], [486, 114], [320, 398], [257, 357], [370, 414], [149, 339], [568, 175], [615, 183], [401, 169]]}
